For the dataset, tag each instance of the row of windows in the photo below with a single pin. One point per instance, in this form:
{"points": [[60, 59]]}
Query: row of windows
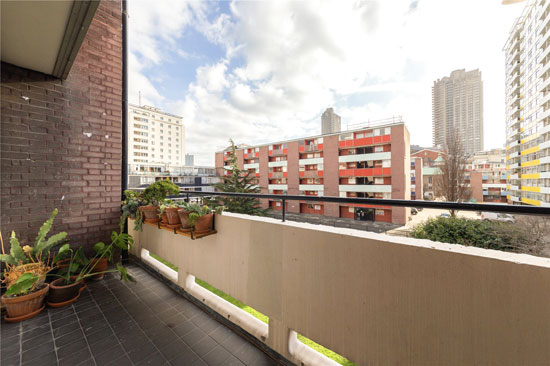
{"points": [[154, 116]]}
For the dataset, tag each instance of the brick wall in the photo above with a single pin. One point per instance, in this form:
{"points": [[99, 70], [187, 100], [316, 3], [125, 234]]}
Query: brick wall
{"points": [[61, 140]]}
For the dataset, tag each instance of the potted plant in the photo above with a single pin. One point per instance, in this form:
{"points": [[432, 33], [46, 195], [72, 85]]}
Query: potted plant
{"points": [[27, 259], [201, 217], [130, 208], [183, 213], [24, 298], [169, 211], [66, 289], [104, 254], [162, 214], [154, 195]]}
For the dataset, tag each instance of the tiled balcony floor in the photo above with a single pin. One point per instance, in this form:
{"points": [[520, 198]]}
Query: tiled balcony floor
{"points": [[114, 323]]}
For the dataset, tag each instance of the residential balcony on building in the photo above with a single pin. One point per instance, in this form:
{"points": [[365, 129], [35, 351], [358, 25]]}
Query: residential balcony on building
{"points": [[374, 299], [366, 162]]}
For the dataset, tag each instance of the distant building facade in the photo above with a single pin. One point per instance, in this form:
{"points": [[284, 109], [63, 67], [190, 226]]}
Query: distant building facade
{"points": [[330, 122], [155, 139], [457, 107], [485, 174], [189, 160], [487, 180], [188, 178], [368, 162], [527, 55], [425, 163]]}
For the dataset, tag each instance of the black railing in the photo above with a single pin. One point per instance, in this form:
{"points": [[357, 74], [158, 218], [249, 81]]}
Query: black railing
{"points": [[458, 206]]}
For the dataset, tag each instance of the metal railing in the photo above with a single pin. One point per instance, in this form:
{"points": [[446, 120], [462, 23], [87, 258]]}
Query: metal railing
{"points": [[459, 206]]}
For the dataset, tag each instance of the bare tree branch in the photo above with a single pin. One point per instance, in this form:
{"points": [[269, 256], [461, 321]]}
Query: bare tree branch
{"points": [[450, 184]]}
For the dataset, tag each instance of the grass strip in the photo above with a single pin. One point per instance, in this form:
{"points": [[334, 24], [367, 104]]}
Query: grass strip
{"points": [[325, 351]]}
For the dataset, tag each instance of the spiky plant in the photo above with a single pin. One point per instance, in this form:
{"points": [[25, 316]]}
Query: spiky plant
{"points": [[23, 255]]}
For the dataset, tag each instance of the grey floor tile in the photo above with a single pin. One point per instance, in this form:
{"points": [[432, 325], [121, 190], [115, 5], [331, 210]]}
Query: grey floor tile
{"points": [[123, 324], [232, 361], [217, 356]]}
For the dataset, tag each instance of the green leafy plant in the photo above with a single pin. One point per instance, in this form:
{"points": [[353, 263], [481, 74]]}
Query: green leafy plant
{"points": [[24, 285], [168, 204], [22, 255], [239, 181], [481, 234], [197, 211], [104, 251], [81, 267], [157, 192], [130, 208]]}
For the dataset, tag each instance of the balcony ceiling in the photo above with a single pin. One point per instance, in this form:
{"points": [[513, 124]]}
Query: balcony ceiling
{"points": [[44, 36]]}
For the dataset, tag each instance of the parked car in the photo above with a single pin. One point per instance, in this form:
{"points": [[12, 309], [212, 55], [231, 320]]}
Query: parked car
{"points": [[414, 211], [445, 215], [497, 217]]}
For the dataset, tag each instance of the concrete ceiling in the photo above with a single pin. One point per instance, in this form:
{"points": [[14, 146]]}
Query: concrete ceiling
{"points": [[32, 32], [43, 35]]}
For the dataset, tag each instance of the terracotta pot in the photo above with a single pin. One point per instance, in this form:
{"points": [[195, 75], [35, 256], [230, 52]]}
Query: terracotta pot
{"points": [[18, 306], [204, 223], [172, 215], [150, 213], [184, 219], [59, 292], [164, 219], [101, 265]]}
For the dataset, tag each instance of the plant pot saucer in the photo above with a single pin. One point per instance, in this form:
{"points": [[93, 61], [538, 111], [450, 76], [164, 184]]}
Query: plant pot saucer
{"points": [[173, 226], [202, 231], [70, 301], [185, 230], [152, 221], [24, 317]]}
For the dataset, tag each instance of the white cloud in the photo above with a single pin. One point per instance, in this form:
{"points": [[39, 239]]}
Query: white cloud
{"points": [[369, 59]]}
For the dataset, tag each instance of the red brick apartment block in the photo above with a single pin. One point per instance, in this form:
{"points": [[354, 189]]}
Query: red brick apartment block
{"points": [[369, 162], [61, 140]]}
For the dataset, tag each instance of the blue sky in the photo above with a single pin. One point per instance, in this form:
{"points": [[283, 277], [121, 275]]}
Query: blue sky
{"points": [[265, 71]]}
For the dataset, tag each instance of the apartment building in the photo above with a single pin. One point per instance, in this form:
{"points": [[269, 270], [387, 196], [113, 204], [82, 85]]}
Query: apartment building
{"points": [[485, 174], [199, 178], [424, 170], [457, 109], [330, 122], [527, 58], [156, 139], [370, 162]]}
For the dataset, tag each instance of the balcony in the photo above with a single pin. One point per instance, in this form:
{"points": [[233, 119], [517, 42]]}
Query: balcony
{"points": [[312, 174], [274, 164], [373, 298], [281, 279], [313, 147]]}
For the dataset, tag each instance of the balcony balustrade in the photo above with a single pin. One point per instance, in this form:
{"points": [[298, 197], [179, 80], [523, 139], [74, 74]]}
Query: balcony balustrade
{"points": [[268, 265]]}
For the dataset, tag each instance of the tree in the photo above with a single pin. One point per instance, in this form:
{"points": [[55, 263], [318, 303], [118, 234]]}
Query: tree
{"points": [[238, 181], [450, 184]]}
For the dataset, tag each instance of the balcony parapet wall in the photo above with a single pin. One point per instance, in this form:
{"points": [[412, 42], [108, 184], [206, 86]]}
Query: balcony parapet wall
{"points": [[372, 298]]}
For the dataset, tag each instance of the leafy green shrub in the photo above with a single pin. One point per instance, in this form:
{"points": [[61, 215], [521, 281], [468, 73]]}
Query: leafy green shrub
{"points": [[157, 192], [477, 233]]}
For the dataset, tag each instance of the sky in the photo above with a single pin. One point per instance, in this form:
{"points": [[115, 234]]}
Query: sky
{"points": [[264, 71]]}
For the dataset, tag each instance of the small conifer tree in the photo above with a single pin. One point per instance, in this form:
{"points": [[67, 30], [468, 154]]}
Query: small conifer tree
{"points": [[239, 181]]}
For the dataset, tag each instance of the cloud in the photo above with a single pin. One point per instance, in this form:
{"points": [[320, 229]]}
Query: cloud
{"points": [[284, 62]]}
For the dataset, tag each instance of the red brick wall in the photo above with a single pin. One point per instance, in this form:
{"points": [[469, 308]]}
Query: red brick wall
{"points": [[293, 174], [331, 174], [219, 164], [476, 186], [47, 160]]}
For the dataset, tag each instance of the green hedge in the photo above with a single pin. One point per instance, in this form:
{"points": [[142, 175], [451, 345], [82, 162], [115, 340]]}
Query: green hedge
{"points": [[470, 232]]}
